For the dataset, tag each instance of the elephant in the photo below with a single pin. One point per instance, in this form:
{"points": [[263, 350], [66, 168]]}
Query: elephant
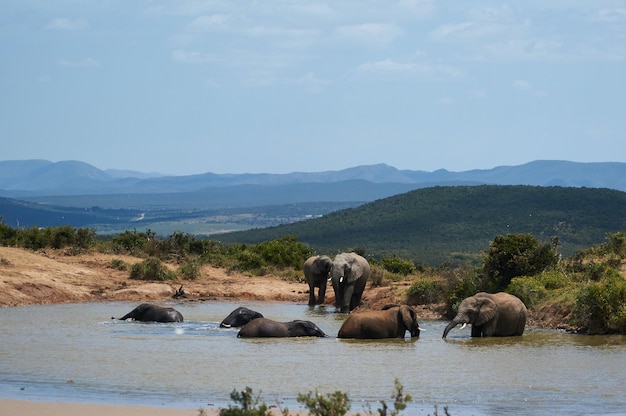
{"points": [[491, 315], [316, 271], [392, 322], [264, 328], [239, 317], [349, 275], [147, 312]]}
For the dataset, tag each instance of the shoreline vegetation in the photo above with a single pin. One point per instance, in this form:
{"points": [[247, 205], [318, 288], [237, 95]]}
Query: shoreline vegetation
{"points": [[585, 293]]}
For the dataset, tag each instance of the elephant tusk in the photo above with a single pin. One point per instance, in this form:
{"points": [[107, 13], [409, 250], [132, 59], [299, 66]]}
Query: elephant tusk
{"points": [[341, 279], [464, 325], [421, 329]]}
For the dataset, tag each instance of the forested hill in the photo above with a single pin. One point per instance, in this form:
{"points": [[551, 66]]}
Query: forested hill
{"points": [[440, 224]]}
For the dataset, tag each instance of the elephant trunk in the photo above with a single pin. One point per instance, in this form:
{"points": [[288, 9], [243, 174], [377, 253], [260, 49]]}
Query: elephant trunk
{"points": [[448, 328]]}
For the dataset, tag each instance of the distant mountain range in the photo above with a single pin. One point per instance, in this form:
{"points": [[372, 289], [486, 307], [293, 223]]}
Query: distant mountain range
{"points": [[32, 178]]}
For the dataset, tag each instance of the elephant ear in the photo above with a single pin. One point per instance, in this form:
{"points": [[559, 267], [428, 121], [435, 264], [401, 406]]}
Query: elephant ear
{"points": [[355, 271], [407, 315], [488, 311]]}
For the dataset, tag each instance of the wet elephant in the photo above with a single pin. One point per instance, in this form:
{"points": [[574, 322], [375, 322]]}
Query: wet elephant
{"points": [[239, 317], [316, 271], [264, 328], [392, 322], [491, 315], [349, 276], [147, 312]]}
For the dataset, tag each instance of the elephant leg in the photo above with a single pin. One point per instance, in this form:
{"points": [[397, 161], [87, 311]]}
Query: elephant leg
{"points": [[339, 295], [321, 295], [477, 331], [311, 295], [346, 305]]}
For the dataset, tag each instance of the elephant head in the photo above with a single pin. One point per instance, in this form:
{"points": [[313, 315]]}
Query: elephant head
{"points": [[349, 275], [239, 317], [147, 312], [499, 314], [316, 270]]}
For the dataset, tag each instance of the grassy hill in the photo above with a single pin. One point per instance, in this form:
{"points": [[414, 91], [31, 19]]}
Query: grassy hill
{"points": [[453, 224]]}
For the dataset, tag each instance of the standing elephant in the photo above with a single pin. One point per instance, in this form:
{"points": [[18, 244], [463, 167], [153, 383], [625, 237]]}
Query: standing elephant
{"points": [[147, 312], [491, 315], [349, 275], [388, 323], [239, 317], [316, 270], [265, 328]]}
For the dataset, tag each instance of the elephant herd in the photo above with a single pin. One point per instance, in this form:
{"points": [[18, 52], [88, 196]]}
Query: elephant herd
{"points": [[499, 314]]}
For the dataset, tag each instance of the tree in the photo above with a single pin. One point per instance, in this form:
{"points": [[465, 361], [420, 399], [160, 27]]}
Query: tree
{"points": [[517, 255]]}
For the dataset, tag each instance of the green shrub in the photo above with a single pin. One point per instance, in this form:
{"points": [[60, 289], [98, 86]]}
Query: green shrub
{"points": [[251, 405], [528, 289], [151, 269], [118, 264], [190, 270], [600, 306], [283, 252], [468, 285], [553, 279], [332, 404], [132, 242], [426, 290], [397, 265], [516, 255], [400, 401]]}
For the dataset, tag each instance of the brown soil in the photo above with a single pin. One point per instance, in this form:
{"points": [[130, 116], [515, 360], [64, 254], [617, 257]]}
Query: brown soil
{"points": [[51, 276]]}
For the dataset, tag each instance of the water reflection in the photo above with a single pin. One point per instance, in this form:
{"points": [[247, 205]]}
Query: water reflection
{"points": [[195, 362]]}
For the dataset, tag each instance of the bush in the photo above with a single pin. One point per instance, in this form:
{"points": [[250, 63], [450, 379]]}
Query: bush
{"points": [[553, 279], [333, 404], [517, 255], [151, 269], [118, 264], [250, 405], [600, 306], [425, 291], [468, 285], [377, 275], [528, 289], [190, 270], [397, 265]]}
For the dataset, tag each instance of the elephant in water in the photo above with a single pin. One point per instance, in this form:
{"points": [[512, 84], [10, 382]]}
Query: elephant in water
{"points": [[316, 271], [239, 317], [147, 312], [349, 275], [263, 327], [491, 315], [391, 322]]}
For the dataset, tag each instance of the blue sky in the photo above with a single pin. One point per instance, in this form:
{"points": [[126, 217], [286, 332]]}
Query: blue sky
{"points": [[183, 87]]}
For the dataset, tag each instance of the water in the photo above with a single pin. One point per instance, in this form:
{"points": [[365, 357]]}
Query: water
{"points": [[75, 352]]}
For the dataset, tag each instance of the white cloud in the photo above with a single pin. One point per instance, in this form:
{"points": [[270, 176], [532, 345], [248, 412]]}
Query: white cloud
{"points": [[63, 23], [394, 69], [370, 33]]}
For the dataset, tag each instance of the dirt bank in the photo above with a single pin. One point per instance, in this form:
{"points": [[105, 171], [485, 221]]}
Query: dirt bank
{"points": [[50, 276]]}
